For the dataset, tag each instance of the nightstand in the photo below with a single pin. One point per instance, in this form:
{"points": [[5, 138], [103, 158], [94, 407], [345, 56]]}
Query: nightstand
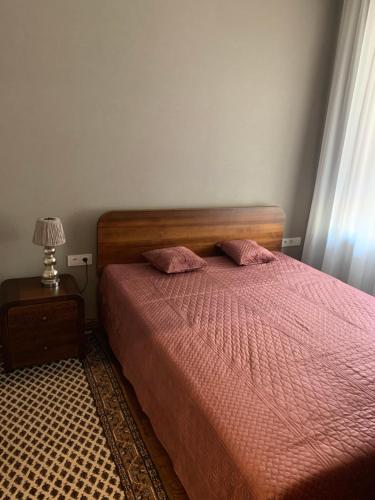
{"points": [[40, 324]]}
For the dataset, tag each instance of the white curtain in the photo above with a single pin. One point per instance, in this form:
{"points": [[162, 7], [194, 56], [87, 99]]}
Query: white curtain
{"points": [[340, 237]]}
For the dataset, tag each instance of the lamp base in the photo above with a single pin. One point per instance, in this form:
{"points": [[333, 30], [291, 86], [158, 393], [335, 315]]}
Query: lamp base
{"points": [[50, 282], [50, 276]]}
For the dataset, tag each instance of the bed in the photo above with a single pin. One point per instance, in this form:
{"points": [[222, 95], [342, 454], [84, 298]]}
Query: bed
{"points": [[258, 380]]}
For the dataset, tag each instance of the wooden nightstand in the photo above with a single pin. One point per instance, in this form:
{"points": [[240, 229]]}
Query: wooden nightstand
{"points": [[39, 324]]}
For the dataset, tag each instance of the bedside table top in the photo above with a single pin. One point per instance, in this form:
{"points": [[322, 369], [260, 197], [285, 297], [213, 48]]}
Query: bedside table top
{"points": [[30, 290]]}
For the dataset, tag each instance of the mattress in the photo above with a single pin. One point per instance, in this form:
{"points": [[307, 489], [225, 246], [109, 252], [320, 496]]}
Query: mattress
{"points": [[259, 381]]}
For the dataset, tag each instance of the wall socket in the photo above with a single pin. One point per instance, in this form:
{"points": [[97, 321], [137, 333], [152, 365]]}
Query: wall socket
{"points": [[77, 260], [291, 242]]}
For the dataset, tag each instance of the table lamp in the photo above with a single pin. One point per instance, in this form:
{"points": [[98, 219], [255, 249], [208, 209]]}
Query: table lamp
{"points": [[49, 233]]}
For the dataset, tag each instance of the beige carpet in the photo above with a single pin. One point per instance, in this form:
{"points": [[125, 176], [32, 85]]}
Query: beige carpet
{"points": [[66, 431]]}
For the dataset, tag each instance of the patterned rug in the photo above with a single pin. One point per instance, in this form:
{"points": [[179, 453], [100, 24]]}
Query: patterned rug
{"points": [[67, 431]]}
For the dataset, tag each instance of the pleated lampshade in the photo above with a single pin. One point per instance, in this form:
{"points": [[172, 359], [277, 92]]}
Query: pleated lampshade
{"points": [[49, 232]]}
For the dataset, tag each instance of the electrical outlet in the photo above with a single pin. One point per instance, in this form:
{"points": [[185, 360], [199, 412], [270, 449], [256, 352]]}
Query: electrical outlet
{"points": [[77, 260], [291, 242]]}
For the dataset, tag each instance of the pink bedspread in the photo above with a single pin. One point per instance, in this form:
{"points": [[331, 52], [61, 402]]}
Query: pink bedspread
{"points": [[258, 380]]}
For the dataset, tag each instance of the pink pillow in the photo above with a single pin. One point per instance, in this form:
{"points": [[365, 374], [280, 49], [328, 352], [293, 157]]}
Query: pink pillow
{"points": [[174, 259], [245, 252]]}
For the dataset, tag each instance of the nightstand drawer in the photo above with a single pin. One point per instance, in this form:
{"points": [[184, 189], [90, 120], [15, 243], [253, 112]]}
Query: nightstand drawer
{"points": [[45, 317], [43, 332], [40, 324], [43, 351]]}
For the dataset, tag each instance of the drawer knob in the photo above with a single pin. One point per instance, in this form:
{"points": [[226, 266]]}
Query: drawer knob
{"points": [[44, 318], [45, 347]]}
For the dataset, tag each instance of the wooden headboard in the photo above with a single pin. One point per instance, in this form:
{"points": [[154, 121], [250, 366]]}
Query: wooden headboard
{"points": [[122, 236]]}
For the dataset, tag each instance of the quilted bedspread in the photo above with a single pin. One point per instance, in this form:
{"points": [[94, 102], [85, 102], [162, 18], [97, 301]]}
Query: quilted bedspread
{"points": [[258, 380]]}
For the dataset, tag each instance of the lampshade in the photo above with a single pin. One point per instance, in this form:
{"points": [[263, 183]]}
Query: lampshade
{"points": [[49, 232]]}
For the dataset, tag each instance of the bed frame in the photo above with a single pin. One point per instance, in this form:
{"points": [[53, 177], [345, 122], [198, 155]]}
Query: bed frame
{"points": [[122, 236]]}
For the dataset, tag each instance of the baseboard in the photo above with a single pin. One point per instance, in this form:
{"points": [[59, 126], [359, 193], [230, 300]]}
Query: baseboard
{"points": [[92, 325]]}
